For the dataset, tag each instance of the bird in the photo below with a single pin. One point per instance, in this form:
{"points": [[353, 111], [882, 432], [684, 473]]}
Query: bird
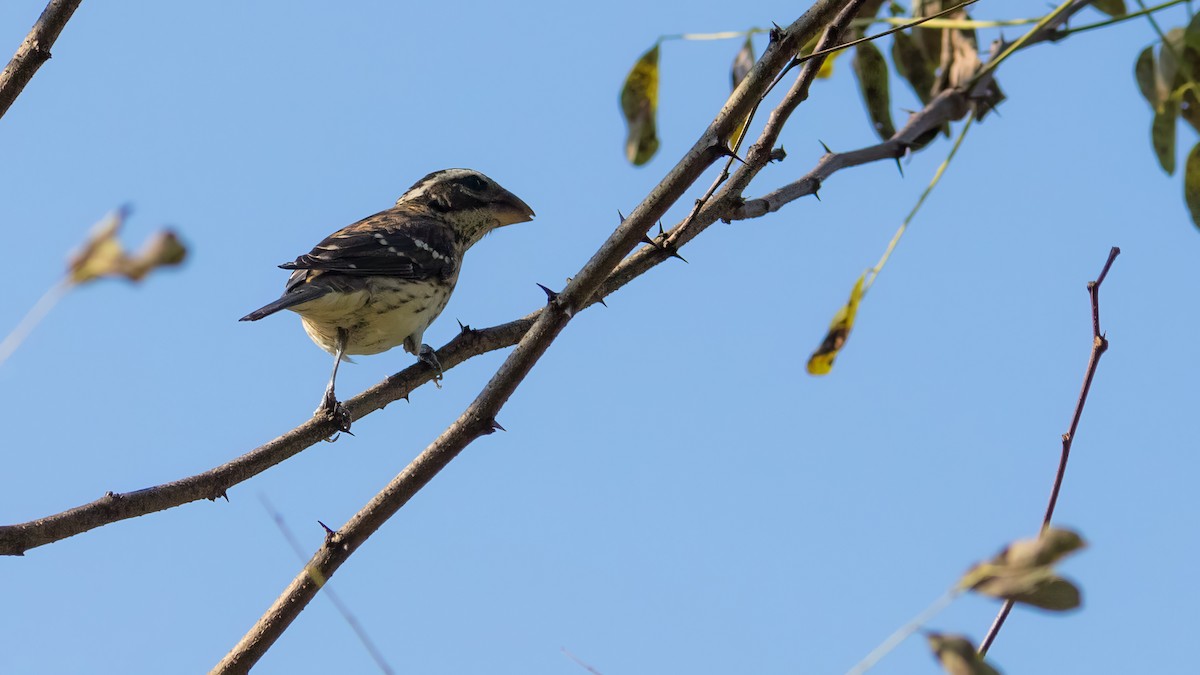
{"points": [[380, 282]]}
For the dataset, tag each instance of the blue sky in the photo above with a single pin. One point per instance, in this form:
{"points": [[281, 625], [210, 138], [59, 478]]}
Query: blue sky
{"points": [[674, 493]]}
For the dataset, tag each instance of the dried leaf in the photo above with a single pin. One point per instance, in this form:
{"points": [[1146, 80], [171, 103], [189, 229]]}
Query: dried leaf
{"points": [[1111, 7], [1147, 80], [821, 361], [929, 39], [872, 72], [743, 61], [960, 62], [639, 104], [958, 656], [163, 249], [1191, 183], [102, 255], [1162, 135], [1024, 572]]}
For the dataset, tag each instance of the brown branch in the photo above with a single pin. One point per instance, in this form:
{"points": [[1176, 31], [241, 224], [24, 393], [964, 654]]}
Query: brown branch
{"points": [[34, 51], [1099, 346], [212, 484]]}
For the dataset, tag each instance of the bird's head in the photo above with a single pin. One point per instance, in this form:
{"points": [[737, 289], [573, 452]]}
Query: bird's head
{"points": [[467, 200]]}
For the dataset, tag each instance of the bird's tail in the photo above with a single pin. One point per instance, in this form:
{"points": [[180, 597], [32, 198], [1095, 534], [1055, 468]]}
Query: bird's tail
{"points": [[289, 299]]}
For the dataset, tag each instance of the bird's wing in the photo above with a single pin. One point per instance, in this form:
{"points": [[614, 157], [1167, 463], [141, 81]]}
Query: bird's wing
{"points": [[391, 243]]}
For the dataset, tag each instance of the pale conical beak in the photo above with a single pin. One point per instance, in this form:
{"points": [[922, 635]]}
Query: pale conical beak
{"points": [[515, 210]]}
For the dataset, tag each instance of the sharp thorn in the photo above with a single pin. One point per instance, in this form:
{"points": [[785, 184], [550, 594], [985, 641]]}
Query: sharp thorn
{"points": [[647, 240], [660, 229], [620, 215], [328, 531], [497, 427], [601, 301], [777, 155], [550, 295], [899, 167], [675, 254], [817, 195], [827, 150]]}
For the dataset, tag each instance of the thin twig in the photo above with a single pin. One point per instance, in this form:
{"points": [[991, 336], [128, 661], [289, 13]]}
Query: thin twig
{"points": [[1099, 346], [34, 50], [32, 318], [334, 598], [901, 634]]}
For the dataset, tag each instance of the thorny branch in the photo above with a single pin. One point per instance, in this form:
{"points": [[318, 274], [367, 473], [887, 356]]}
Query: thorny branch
{"points": [[729, 205], [1099, 346], [479, 417], [34, 50]]}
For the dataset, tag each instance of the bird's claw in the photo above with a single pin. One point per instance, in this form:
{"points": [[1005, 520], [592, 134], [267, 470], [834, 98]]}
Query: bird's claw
{"points": [[427, 356], [333, 409]]}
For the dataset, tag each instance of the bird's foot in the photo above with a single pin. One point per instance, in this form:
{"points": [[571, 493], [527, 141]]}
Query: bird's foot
{"points": [[333, 409], [427, 356]]}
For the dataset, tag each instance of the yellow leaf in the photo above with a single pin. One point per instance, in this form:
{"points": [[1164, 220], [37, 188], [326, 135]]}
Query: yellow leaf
{"points": [[639, 104], [101, 255], [821, 361]]}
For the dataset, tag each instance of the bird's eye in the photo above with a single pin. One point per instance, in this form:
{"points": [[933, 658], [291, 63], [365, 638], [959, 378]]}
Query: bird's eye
{"points": [[474, 183]]}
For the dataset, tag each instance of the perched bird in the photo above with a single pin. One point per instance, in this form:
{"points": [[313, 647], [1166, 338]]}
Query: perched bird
{"points": [[382, 281]]}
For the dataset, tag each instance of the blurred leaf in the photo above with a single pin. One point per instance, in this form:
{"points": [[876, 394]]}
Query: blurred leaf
{"points": [[959, 64], [161, 250], [958, 656], [102, 255], [639, 104], [826, 70], [912, 65], [743, 61], [1024, 572], [1146, 76], [1189, 105], [1189, 52], [821, 361], [1168, 62], [1162, 135], [1111, 7], [929, 39], [872, 72], [1191, 183]]}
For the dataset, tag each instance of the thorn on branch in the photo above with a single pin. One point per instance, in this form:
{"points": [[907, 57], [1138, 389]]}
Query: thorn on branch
{"points": [[777, 155], [551, 296], [494, 427], [464, 328], [899, 167], [826, 147], [725, 151], [620, 215], [776, 33]]}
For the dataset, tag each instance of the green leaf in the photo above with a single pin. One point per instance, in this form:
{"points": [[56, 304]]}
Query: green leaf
{"points": [[1189, 52], [872, 72], [639, 104], [1191, 183], [912, 65], [1145, 73], [743, 61], [1162, 135], [958, 656], [1111, 7]]}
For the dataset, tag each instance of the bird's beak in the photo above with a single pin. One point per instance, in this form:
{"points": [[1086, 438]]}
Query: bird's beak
{"points": [[513, 209]]}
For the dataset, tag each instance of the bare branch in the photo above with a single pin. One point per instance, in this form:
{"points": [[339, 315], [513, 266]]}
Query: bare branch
{"points": [[1099, 346], [34, 51]]}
